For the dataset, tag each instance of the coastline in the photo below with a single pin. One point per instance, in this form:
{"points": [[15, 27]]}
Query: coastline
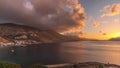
{"points": [[65, 65], [84, 65]]}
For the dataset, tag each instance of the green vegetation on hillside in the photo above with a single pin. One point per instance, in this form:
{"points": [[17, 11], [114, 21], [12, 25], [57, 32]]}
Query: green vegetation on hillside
{"points": [[14, 65], [9, 65], [81, 65], [37, 66]]}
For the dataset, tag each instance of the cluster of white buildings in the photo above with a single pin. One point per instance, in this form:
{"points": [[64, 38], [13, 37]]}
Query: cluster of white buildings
{"points": [[2, 44], [18, 43]]}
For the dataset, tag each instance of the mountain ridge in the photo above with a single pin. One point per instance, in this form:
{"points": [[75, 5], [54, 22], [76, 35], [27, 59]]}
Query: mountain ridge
{"points": [[22, 35], [115, 39], [16, 34]]}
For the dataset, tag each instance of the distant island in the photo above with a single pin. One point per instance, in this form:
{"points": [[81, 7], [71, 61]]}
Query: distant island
{"points": [[115, 39]]}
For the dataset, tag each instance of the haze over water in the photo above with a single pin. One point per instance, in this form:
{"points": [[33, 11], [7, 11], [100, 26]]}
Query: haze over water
{"points": [[70, 52]]}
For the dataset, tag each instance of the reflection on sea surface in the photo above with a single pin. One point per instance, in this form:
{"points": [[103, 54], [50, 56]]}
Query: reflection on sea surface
{"points": [[70, 52]]}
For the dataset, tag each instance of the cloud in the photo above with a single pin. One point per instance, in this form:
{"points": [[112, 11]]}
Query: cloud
{"points": [[58, 15], [96, 24], [80, 33], [102, 32], [28, 5], [111, 10]]}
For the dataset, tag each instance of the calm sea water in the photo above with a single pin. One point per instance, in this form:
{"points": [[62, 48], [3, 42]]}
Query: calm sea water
{"points": [[70, 52]]}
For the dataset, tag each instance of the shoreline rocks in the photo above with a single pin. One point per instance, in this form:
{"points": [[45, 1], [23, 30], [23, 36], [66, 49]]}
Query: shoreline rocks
{"points": [[84, 65]]}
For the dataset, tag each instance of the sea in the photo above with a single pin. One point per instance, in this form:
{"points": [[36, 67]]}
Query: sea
{"points": [[60, 53]]}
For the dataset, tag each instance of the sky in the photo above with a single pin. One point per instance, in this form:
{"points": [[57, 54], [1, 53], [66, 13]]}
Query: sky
{"points": [[93, 19], [104, 27]]}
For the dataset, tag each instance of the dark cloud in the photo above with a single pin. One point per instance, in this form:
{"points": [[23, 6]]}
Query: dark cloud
{"points": [[59, 15]]}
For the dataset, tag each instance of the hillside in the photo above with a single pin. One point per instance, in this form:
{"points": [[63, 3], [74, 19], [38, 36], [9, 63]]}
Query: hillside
{"points": [[115, 39], [15, 34]]}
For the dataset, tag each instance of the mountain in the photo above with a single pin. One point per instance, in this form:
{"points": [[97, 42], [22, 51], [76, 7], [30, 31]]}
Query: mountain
{"points": [[14, 34], [115, 39], [76, 38]]}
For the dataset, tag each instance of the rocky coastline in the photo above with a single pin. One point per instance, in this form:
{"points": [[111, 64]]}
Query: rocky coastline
{"points": [[84, 65]]}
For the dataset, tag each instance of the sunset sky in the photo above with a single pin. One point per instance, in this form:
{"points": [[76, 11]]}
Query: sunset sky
{"points": [[103, 18], [94, 19]]}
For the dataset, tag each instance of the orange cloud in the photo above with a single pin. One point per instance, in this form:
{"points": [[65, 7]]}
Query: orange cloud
{"points": [[111, 10], [96, 24], [102, 32]]}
